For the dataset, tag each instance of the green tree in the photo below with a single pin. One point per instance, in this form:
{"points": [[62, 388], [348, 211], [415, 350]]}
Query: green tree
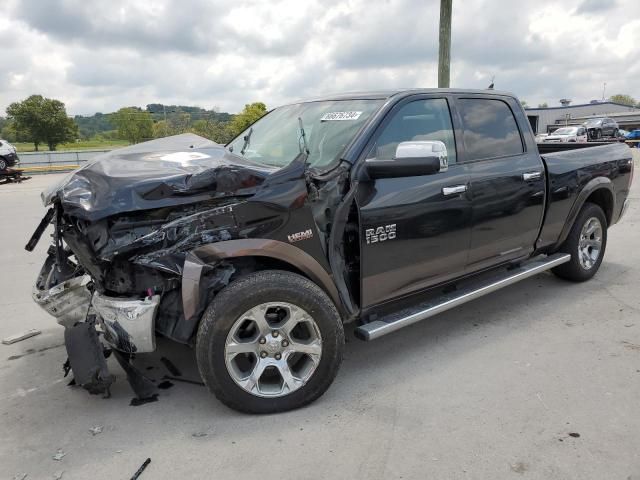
{"points": [[133, 124], [624, 99], [543, 105], [524, 104], [58, 127], [179, 123], [249, 114], [42, 120], [213, 130], [12, 135], [161, 129]]}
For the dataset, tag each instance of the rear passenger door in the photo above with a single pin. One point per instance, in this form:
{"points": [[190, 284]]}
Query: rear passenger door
{"points": [[507, 180]]}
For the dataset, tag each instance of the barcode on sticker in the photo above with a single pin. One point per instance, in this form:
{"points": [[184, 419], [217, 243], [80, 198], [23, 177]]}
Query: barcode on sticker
{"points": [[340, 116]]}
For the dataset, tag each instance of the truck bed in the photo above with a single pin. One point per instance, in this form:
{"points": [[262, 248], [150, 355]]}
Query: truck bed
{"points": [[570, 169]]}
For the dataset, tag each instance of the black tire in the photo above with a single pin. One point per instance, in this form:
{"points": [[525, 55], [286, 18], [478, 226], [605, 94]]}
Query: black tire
{"points": [[3, 164], [574, 270], [239, 297]]}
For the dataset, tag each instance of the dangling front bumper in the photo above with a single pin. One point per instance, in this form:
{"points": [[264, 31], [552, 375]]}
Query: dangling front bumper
{"points": [[128, 323]]}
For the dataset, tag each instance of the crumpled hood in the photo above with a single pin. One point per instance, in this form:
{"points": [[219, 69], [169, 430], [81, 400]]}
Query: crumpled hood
{"points": [[169, 171]]}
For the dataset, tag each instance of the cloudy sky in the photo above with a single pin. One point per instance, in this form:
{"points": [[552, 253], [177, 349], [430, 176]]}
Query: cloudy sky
{"points": [[98, 55]]}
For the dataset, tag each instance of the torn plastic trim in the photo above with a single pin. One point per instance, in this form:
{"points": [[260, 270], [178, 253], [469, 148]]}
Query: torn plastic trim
{"points": [[129, 324], [68, 301], [87, 358]]}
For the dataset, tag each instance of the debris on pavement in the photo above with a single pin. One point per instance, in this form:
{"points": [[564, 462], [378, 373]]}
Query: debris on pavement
{"points": [[630, 346], [59, 455], [20, 476], [21, 336], [96, 430], [199, 434], [141, 469], [58, 475]]}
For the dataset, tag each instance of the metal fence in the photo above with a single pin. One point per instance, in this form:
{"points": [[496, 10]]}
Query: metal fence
{"points": [[45, 162]]}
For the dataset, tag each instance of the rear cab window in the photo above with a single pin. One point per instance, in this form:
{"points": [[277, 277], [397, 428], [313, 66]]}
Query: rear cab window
{"points": [[489, 129]]}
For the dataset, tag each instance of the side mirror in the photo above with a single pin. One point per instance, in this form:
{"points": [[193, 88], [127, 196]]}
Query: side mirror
{"points": [[411, 159]]}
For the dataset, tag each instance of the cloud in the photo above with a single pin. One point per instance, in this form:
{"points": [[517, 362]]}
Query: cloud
{"points": [[596, 6], [99, 56]]}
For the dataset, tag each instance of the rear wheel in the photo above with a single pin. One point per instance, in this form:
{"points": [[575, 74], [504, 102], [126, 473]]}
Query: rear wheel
{"points": [[3, 164], [585, 243], [269, 342]]}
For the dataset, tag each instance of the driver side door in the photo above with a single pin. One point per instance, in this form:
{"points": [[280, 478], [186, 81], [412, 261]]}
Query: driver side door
{"points": [[415, 230]]}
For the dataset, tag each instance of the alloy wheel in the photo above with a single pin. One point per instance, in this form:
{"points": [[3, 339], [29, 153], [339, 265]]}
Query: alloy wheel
{"points": [[273, 349], [590, 243]]}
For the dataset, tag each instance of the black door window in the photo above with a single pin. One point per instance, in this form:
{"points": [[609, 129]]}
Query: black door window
{"points": [[489, 129], [419, 120]]}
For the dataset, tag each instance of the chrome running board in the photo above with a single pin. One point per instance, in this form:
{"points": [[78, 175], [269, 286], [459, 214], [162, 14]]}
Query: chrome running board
{"points": [[393, 322]]}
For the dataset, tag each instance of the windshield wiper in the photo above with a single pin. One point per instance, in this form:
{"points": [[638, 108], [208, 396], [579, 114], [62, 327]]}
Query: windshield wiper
{"points": [[303, 136], [246, 139]]}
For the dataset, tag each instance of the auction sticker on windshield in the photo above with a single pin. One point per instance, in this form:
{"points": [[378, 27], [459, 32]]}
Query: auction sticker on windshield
{"points": [[340, 116]]}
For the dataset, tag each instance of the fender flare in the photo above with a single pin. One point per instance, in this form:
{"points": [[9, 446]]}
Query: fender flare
{"points": [[598, 183], [197, 259]]}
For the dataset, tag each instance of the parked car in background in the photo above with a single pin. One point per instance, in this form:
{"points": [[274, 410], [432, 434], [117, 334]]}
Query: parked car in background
{"points": [[633, 134], [568, 134], [8, 155], [601, 127], [540, 137], [622, 133]]}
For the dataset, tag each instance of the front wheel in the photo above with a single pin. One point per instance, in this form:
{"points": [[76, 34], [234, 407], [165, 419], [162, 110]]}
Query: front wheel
{"points": [[585, 243], [3, 164], [269, 342]]}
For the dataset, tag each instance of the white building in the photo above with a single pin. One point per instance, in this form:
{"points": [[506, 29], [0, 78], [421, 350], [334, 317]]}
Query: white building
{"points": [[547, 119]]}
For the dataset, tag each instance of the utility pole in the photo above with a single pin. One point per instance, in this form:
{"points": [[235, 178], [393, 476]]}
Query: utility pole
{"points": [[444, 53], [604, 88]]}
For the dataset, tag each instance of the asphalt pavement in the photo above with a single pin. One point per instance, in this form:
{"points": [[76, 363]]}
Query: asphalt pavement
{"points": [[540, 380]]}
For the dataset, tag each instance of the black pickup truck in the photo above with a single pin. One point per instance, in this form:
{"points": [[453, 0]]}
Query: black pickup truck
{"points": [[381, 208]]}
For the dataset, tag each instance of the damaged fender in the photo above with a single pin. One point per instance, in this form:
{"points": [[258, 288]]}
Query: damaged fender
{"points": [[211, 254]]}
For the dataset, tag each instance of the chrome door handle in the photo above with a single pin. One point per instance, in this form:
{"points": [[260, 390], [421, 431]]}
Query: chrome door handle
{"points": [[531, 176], [453, 190]]}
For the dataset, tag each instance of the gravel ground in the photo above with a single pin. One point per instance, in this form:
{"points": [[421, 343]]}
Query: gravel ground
{"points": [[539, 380]]}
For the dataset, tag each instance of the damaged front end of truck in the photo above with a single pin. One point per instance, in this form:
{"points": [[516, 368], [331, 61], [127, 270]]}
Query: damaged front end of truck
{"points": [[132, 256]]}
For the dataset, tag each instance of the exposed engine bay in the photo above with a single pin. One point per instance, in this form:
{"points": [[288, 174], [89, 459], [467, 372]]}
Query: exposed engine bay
{"points": [[145, 236]]}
